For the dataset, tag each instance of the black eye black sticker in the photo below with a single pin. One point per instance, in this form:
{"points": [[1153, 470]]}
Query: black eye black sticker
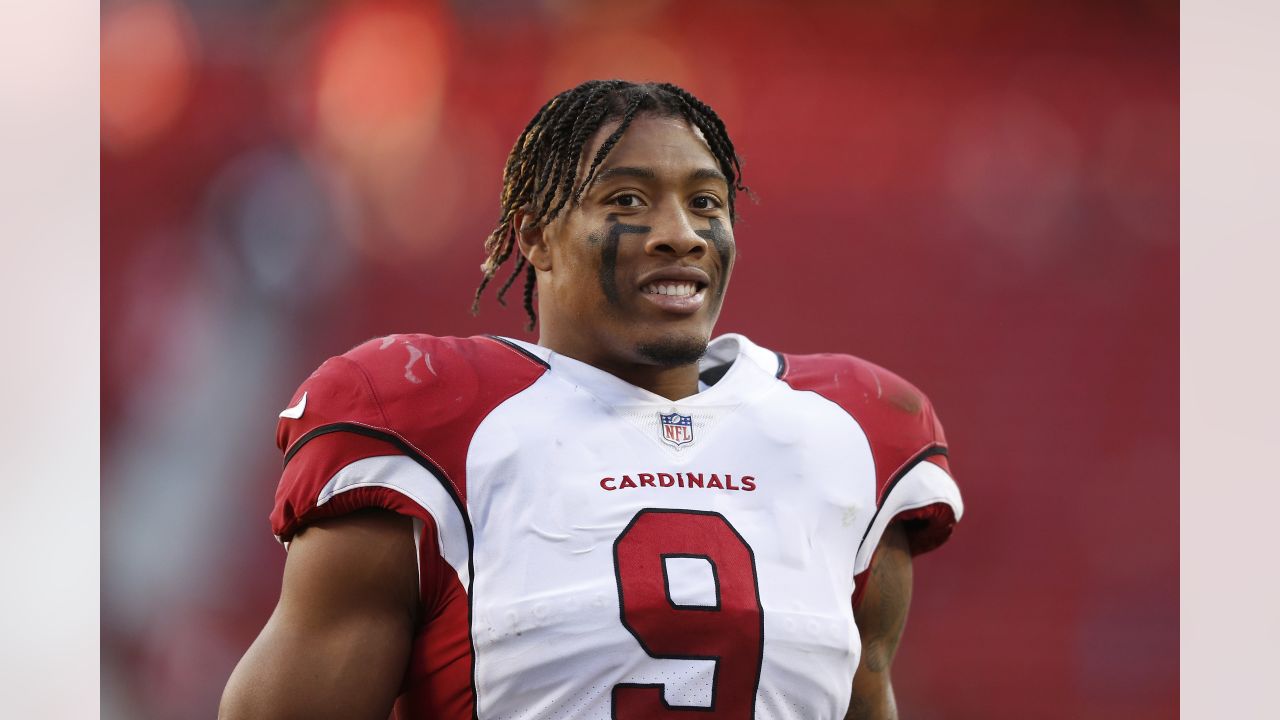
{"points": [[609, 254], [719, 239]]}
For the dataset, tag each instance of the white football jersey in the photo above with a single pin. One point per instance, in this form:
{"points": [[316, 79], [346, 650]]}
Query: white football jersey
{"points": [[590, 550]]}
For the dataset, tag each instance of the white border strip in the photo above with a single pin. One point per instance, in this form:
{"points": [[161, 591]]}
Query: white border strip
{"points": [[925, 484], [415, 482]]}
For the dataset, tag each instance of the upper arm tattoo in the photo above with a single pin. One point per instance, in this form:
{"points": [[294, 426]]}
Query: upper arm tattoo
{"points": [[881, 618], [883, 614]]}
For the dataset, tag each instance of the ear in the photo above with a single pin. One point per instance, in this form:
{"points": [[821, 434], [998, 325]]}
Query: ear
{"points": [[532, 240]]}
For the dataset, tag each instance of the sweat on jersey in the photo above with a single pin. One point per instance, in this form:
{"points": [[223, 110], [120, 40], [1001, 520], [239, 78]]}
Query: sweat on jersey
{"points": [[588, 549]]}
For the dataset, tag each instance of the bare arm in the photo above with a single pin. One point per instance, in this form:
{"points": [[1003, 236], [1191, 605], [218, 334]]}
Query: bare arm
{"points": [[339, 640], [881, 618]]}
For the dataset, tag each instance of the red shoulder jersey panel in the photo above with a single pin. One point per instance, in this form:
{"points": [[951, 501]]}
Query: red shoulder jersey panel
{"points": [[401, 394], [899, 422]]}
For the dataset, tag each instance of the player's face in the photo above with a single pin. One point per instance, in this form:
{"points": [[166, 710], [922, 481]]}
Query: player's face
{"points": [[637, 272]]}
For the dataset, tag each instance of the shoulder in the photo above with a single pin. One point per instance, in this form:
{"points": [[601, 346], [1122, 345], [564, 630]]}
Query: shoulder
{"points": [[887, 406], [398, 383], [416, 362], [416, 399], [908, 447]]}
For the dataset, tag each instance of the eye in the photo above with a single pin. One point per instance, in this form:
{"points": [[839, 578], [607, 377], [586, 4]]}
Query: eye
{"points": [[626, 200], [706, 202]]}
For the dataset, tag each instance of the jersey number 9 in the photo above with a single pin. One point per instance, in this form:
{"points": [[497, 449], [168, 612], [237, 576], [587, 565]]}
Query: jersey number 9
{"points": [[728, 630]]}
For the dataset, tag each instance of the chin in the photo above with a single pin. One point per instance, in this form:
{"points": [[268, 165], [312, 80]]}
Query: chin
{"points": [[673, 350]]}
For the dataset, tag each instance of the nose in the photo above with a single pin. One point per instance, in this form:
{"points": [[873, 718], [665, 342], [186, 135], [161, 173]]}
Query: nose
{"points": [[674, 235]]}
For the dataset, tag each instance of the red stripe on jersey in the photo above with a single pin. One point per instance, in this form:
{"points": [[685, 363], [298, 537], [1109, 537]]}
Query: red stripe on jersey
{"points": [[437, 683]]}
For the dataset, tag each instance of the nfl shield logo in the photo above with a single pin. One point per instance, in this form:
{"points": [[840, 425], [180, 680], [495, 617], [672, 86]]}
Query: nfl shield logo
{"points": [[677, 429]]}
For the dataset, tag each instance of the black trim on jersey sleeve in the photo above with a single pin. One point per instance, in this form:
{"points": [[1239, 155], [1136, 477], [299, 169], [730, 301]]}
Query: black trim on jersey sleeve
{"points": [[920, 457], [404, 447]]}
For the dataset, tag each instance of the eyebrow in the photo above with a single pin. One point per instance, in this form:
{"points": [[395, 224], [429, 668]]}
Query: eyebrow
{"points": [[708, 174], [644, 173], [626, 171]]}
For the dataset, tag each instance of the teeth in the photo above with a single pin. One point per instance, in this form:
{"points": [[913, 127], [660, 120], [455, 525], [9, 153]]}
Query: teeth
{"points": [[678, 289]]}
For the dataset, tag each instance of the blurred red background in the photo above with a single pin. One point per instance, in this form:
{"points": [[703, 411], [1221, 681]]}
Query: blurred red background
{"points": [[980, 196]]}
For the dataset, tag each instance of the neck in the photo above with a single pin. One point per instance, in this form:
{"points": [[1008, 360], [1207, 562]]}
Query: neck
{"points": [[672, 383]]}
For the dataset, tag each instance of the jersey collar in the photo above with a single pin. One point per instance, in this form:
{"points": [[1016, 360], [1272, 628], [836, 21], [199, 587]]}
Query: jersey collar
{"points": [[753, 369]]}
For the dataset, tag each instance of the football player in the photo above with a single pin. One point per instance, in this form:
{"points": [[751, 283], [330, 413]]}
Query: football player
{"points": [[626, 520]]}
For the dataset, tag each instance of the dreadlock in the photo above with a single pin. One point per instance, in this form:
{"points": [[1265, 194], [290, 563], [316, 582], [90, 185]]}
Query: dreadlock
{"points": [[541, 174]]}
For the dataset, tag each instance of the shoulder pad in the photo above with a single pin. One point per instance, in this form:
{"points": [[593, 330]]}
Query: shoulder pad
{"points": [[428, 392], [898, 419]]}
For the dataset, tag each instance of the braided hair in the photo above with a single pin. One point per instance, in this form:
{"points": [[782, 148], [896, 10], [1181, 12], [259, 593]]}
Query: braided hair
{"points": [[541, 175]]}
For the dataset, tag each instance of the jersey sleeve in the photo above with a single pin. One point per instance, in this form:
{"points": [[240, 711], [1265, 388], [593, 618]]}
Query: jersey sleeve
{"points": [[914, 484], [388, 425], [342, 454], [334, 461]]}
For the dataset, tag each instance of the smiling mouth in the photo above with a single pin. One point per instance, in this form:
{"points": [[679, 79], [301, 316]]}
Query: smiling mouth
{"points": [[679, 297], [674, 288]]}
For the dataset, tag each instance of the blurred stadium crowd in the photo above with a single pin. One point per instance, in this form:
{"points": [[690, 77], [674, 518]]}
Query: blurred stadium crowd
{"points": [[980, 196]]}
